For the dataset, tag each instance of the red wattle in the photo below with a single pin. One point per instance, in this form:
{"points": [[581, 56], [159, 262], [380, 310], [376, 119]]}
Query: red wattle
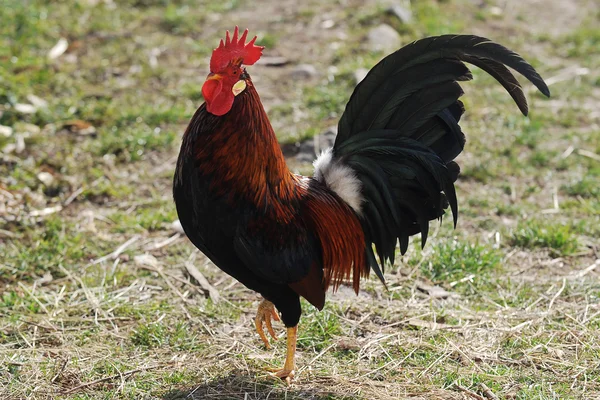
{"points": [[218, 101]]}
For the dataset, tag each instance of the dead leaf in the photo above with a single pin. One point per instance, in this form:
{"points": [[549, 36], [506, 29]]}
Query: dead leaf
{"points": [[19, 144], [348, 343], [45, 211], [59, 49], [203, 282], [146, 259], [6, 131], [25, 108], [47, 278], [420, 323], [435, 291], [36, 101], [46, 178], [80, 127]]}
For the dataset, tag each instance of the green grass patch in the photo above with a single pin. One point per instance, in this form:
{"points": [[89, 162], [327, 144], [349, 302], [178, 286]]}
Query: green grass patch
{"points": [[318, 328], [550, 235], [583, 41], [178, 335], [453, 260], [147, 218], [587, 187], [131, 143], [43, 248]]}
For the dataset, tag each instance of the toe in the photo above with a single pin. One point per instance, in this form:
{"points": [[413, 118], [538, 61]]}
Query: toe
{"points": [[259, 329], [270, 327], [265, 314], [287, 375], [275, 315]]}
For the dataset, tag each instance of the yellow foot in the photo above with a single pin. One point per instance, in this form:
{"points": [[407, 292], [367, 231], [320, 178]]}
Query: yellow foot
{"points": [[266, 311], [285, 374]]}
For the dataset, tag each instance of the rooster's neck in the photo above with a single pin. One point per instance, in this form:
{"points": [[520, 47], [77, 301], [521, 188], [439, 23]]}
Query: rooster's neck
{"points": [[239, 153]]}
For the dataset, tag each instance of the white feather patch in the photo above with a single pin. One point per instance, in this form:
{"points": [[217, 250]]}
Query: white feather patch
{"points": [[340, 178]]}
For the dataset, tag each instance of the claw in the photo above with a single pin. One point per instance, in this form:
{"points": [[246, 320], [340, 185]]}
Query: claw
{"points": [[275, 315], [270, 327], [287, 375], [266, 311]]}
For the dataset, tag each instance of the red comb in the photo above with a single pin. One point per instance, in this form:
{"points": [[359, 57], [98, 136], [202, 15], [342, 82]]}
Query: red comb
{"points": [[233, 49]]}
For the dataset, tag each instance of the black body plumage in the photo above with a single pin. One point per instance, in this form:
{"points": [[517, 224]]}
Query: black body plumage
{"points": [[217, 226]]}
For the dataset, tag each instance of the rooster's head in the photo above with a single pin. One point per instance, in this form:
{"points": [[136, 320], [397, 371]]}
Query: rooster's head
{"points": [[227, 76]]}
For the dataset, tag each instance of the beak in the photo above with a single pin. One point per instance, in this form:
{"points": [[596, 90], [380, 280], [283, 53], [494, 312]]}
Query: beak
{"points": [[212, 76]]}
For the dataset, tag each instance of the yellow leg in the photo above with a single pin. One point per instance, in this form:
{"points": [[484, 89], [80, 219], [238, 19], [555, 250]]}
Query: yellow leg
{"points": [[287, 372], [266, 311]]}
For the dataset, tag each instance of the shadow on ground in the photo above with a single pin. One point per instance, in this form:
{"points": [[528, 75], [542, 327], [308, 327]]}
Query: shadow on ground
{"points": [[247, 387]]}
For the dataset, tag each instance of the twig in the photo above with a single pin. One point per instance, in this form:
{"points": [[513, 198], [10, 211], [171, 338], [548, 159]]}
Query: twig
{"points": [[465, 279], [567, 74], [124, 375], [73, 196], [407, 320], [589, 269], [7, 233], [564, 283], [382, 367], [589, 154], [469, 392], [159, 271], [51, 327], [45, 211], [35, 331], [33, 297], [434, 363], [529, 307], [325, 350], [118, 251], [186, 312], [567, 152], [364, 348], [202, 281], [517, 328], [60, 371], [163, 243], [488, 392], [465, 355], [26, 341], [89, 295]]}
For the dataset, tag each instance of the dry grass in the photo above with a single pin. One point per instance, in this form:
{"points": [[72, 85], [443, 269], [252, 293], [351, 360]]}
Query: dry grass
{"points": [[124, 339], [96, 301]]}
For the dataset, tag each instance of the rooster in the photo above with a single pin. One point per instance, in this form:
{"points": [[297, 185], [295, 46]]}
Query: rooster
{"points": [[389, 173]]}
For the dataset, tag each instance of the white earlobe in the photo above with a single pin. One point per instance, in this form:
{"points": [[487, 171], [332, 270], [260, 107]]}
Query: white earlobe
{"points": [[239, 87]]}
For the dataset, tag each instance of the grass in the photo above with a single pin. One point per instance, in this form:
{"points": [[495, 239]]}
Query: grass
{"points": [[558, 238], [453, 261], [95, 300]]}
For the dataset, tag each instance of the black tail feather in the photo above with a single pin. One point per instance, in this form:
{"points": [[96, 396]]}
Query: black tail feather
{"points": [[426, 54], [400, 134]]}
